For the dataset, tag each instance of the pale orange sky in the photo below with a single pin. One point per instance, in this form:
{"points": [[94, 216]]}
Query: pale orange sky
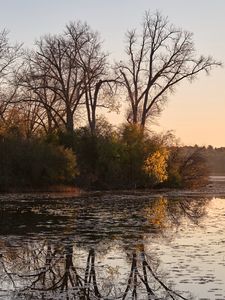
{"points": [[196, 111]]}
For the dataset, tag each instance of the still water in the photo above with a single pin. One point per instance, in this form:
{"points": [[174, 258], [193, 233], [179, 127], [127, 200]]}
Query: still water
{"points": [[111, 246]]}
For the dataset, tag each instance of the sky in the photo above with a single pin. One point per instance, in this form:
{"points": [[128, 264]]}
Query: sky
{"points": [[196, 111]]}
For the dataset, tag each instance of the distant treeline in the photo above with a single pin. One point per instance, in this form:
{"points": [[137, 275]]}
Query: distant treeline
{"points": [[214, 157]]}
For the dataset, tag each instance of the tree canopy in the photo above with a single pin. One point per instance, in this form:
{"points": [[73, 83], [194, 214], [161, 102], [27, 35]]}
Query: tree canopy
{"points": [[158, 59]]}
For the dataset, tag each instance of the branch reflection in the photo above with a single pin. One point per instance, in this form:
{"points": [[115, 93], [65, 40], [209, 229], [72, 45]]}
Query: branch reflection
{"points": [[53, 274], [58, 250]]}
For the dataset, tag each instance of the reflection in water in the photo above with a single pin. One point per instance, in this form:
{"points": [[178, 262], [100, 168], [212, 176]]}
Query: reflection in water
{"points": [[50, 271], [163, 212], [49, 248]]}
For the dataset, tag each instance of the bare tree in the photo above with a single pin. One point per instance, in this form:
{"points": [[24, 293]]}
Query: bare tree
{"points": [[55, 75], [100, 87], [93, 62], [9, 55], [99, 93], [34, 91], [158, 59], [67, 73], [58, 73], [24, 118]]}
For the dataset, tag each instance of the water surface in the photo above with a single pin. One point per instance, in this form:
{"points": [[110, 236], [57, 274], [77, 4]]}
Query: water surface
{"points": [[109, 246]]}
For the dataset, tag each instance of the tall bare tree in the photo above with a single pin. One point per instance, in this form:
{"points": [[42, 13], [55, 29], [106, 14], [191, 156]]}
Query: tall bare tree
{"points": [[98, 87], [35, 90], [159, 58], [58, 71], [9, 55], [68, 73]]}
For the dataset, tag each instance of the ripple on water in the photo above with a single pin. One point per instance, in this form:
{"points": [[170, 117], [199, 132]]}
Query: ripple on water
{"points": [[188, 254]]}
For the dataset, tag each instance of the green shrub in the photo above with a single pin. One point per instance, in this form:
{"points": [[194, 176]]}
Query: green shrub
{"points": [[115, 159], [35, 163]]}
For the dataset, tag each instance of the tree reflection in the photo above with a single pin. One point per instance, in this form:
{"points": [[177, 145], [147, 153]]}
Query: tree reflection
{"points": [[164, 213], [52, 274], [154, 285], [130, 220], [39, 259]]}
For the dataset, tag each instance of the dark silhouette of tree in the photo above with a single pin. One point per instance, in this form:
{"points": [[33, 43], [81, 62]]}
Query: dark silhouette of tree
{"points": [[9, 55], [35, 93], [159, 58], [55, 69], [67, 74], [188, 167], [27, 118]]}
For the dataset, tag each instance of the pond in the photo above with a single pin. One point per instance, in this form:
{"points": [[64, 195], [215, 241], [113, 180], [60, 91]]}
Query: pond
{"points": [[112, 246]]}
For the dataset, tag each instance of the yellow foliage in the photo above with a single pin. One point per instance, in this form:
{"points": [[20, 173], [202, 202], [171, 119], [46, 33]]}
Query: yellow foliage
{"points": [[156, 165], [140, 247], [157, 214]]}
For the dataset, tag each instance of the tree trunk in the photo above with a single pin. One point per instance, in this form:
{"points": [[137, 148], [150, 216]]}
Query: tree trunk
{"points": [[69, 121], [93, 122]]}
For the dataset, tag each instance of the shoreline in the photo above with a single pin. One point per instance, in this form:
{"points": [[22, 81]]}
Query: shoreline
{"points": [[47, 189], [213, 189]]}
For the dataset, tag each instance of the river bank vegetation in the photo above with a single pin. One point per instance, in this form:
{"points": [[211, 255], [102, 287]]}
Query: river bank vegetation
{"points": [[53, 100]]}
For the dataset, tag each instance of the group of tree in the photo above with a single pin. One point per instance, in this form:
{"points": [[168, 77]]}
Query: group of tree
{"points": [[52, 99]]}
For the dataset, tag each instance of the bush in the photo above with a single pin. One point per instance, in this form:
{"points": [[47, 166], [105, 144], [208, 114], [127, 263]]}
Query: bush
{"points": [[34, 163], [155, 166], [187, 168], [116, 159]]}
